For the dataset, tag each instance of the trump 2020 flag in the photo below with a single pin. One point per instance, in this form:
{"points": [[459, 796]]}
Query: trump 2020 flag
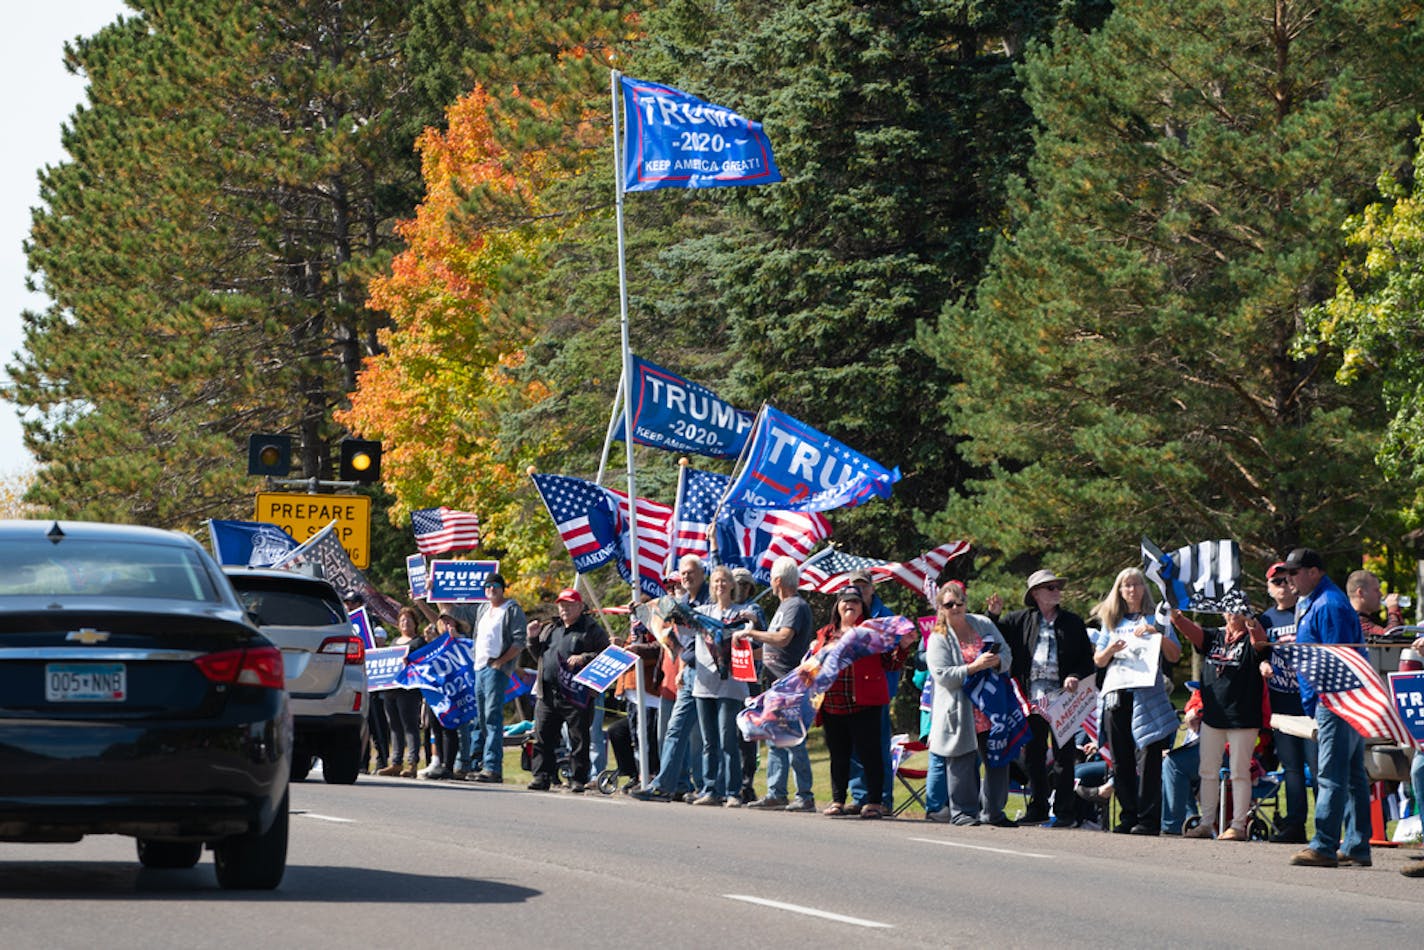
{"points": [[792, 467], [678, 415], [249, 543], [674, 140]]}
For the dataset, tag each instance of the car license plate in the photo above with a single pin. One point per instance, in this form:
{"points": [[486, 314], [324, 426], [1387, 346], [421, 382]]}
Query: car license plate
{"points": [[85, 683]]}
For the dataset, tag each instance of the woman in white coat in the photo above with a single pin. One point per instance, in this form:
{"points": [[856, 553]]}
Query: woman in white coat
{"points": [[961, 645]]}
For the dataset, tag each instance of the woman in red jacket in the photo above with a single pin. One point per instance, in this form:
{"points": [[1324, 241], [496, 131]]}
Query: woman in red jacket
{"points": [[851, 708]]}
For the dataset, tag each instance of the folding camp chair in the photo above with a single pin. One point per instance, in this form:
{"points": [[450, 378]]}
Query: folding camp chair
{"points": [[911, 770]]}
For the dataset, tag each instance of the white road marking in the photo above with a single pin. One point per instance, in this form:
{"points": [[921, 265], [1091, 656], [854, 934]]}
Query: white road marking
{"points": [[339, 821], [808, 911], [980, 847]]}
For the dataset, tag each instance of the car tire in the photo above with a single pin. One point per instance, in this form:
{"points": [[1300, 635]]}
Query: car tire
{"points": [[341, 758], [301, 765], [168, 854], [254, 862]]}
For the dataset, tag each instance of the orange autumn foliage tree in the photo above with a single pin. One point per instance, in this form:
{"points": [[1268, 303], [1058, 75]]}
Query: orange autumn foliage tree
{"points": [[437, 394]]}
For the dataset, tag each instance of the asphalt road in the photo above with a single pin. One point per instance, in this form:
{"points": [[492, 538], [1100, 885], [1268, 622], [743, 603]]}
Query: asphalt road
{"points": [[392, 863]]}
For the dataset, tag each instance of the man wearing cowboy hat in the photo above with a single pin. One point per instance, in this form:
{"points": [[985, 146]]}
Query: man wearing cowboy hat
{"points": [[1051, 651]]}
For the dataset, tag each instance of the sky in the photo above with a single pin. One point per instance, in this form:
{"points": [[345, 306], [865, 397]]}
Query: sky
{"points": [[43, 96]]}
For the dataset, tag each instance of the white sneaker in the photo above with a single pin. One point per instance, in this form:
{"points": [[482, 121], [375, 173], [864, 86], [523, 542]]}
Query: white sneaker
{"points": [[941, 815]]}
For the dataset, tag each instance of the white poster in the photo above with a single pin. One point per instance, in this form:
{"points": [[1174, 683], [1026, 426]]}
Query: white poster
{"points": [[1136, 666]]}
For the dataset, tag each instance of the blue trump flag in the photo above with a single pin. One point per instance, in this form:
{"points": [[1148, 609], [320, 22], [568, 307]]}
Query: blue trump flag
{"points": [[674, 140], [444, 672], [678, 415], [249, 543], [792, 467]]}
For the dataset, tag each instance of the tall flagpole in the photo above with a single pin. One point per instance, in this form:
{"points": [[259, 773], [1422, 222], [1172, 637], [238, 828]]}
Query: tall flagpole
{"points": [[612, 428], [633, 563]]}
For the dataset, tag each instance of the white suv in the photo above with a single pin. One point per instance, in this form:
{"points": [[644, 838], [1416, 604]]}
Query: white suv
{"points": [[324, 662]]}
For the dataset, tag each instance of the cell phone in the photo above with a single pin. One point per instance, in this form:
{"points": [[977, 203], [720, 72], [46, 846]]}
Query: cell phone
{"points": [[992, 646]]}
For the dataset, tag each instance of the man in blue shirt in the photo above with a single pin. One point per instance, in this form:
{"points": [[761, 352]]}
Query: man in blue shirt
{"points": [[1324, 615]]}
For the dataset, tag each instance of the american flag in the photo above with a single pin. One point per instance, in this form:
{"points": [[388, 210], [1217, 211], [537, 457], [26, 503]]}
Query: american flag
{"points": [[654, 523], [585, 517], [747, 538], [442, 529], [829, 574], [1348, 686]]}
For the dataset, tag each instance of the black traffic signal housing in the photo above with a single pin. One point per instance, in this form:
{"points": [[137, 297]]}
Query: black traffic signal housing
{"points": [[360, 461], [269, 454]]}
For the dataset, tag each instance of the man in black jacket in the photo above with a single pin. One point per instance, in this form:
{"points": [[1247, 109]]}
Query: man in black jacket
{"points": [[1051, 651], [563, 649]]}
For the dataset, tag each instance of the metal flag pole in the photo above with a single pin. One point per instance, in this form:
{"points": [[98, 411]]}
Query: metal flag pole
{"points": [[627, 388], [608, 439]]}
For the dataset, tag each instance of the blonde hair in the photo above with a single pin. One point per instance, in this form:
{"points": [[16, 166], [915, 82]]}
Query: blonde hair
{"points": [[1113, 607]]}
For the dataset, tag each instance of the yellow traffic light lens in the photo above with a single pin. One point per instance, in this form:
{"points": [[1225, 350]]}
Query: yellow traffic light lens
{"points": [[269, 455], [360, 461]]}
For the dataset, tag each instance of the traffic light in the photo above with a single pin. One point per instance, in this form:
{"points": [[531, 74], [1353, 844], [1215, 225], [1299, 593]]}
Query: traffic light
{"points": [[360, 461], [269, 454]]}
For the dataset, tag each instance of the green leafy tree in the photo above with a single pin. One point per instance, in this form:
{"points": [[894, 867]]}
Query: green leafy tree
{"points": [[1127, 364], [232, 183]]}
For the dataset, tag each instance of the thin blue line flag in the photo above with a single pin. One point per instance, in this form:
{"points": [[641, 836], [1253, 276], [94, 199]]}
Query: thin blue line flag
{"points": [[792, 467], [674, 140]]}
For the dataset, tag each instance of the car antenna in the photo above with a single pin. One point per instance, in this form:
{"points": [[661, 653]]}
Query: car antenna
{"points": [[55, 533]]}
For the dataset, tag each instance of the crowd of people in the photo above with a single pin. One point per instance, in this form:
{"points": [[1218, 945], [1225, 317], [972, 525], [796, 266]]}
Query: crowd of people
{"points": [[1164, 766]]}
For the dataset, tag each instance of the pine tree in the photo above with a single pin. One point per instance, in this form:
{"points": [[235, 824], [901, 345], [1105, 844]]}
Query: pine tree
{"points": [[1127, 364]]}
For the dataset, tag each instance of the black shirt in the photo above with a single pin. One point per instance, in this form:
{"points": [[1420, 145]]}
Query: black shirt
{"points": [[1231, 681]]}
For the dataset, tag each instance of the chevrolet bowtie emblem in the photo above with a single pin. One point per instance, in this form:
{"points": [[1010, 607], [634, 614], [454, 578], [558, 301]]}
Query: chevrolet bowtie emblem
{"points": [[88, 636]]}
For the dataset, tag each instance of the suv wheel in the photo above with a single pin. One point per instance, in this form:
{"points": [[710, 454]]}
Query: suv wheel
{"points": [[341, 757], [168, 854], [301, 764], [254, 862]]}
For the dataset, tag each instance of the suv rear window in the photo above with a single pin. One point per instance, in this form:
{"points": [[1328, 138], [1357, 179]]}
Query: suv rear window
{"points": [[278, 603]]}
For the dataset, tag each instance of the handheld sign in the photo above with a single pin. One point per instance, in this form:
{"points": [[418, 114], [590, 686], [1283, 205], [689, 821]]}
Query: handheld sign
{"points": [[458, 582], [1408, 691], [361, 626], [604, 669], [1066, 710], [383, 666], [415, 574], [743, 662]]}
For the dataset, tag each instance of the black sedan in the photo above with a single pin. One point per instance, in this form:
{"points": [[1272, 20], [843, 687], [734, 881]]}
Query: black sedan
{"points": [[137, 699]]}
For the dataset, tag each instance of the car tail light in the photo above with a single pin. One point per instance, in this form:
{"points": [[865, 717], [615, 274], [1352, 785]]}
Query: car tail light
{"points": [[352, 647], [260, 666]]}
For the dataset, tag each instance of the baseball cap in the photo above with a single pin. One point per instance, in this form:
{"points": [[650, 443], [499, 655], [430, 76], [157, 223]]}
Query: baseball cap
{"points": [[495, 580], [741, 575], [860, 577], [1304, 557], [849, 593], [1277, 568], [569, 595]]}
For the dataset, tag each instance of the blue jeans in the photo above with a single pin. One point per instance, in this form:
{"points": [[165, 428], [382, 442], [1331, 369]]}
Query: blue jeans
{"points": [[857, 780], [488, 751], [1295, 755], [1179, 771], [682, 734], [465, 755], [721, 748], [1416, 779], [776, 771], [1342, 789]]}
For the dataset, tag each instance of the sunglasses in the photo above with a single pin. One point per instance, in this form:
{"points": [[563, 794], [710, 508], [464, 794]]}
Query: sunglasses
{"points": [[1053, 587], [951, 603]]}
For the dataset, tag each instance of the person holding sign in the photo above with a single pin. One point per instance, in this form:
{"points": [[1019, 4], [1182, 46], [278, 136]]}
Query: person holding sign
{"points": [[562, 649], [1138, 716], [1051, 653], [961, 645], [719, 697], [1231, 692], [500, 635], [403, 705]]}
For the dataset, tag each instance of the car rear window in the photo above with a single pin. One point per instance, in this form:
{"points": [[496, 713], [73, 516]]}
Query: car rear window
{"points": [[279, 605], [84, 568]]}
